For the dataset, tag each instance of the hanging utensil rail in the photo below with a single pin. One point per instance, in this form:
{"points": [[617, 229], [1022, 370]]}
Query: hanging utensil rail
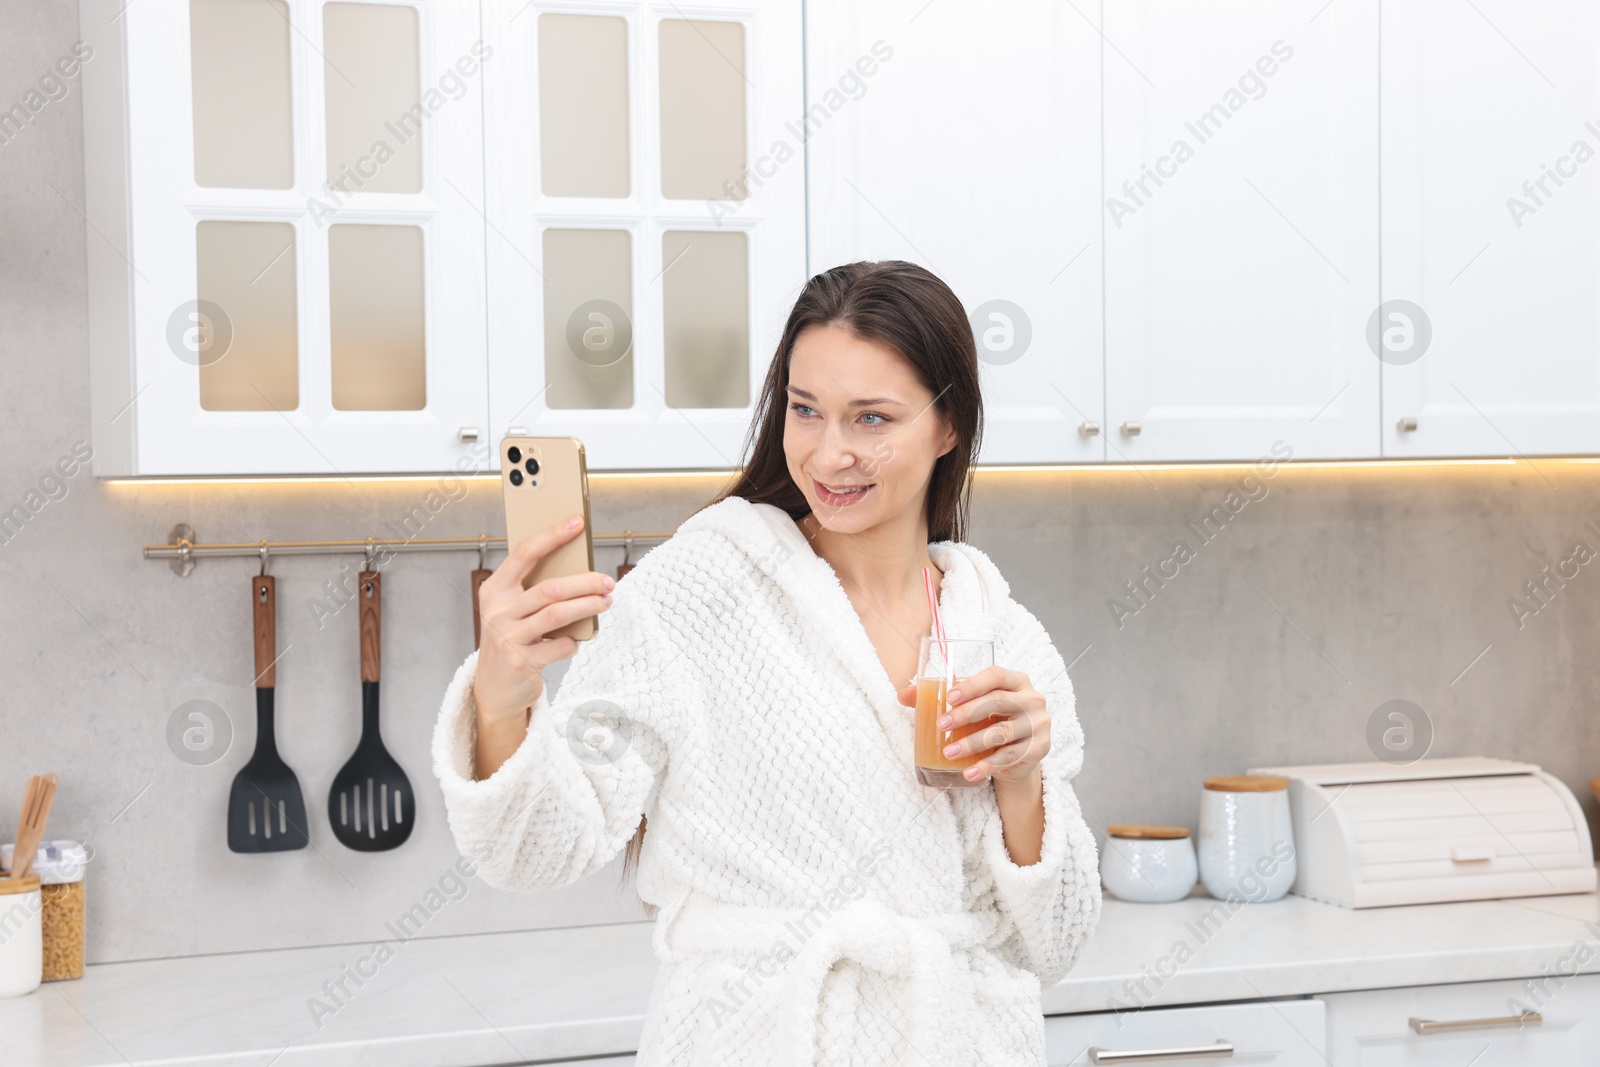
{"points": [[183, 550]]}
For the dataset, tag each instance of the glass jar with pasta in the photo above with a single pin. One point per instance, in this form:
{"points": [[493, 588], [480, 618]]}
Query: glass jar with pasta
{"points": [[60, 866]]}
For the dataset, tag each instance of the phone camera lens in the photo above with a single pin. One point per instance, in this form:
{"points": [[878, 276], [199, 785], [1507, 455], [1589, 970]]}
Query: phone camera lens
{"points": [[514, 454], [516, 477], [533, 465]]}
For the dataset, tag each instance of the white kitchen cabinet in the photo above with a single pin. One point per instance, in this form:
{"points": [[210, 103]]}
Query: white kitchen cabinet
{"points": [[365, 236], [285, 251], [964, 137], [1241, 229], [1285, 1033], [646, 209], [1491, 226], [1375, 1029]]}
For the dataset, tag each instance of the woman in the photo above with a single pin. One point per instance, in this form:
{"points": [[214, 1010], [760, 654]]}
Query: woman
{"points": [[817, 904]]}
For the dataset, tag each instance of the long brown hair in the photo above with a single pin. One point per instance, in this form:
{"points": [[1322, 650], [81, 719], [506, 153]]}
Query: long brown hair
{"points": [[912, 311]]}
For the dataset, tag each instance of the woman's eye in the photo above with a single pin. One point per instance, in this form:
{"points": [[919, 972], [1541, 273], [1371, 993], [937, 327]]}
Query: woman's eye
{"points": [[874, 415], [799, 409]]}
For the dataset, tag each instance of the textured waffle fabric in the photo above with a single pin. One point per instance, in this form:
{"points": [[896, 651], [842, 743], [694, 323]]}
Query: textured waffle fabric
{"points": [[818, 905]]}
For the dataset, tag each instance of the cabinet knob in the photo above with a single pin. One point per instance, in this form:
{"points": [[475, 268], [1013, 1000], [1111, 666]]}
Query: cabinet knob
{"points": [[1089, 428], [467, 434], [1407, 424], [516, 431], [1130, 428]]}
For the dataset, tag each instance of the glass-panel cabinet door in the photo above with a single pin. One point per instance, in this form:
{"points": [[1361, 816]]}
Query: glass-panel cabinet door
{"points": [[645, 192], [303, 249]]}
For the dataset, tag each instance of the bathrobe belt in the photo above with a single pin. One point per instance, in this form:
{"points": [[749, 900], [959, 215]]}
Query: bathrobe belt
{"points": [[775, 1003]]}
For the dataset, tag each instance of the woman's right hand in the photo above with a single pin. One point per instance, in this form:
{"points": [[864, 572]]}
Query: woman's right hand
{"points": [[513, 652]]}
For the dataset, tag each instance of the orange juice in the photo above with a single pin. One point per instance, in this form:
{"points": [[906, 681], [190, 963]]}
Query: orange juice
{"points": [[933, 766]]}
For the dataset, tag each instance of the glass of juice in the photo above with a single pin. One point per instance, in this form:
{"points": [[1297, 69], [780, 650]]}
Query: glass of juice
{"points": [[966, 656]]}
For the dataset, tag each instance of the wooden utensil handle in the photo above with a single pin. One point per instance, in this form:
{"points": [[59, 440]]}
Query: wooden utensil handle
{"points": [[35, 817], [17, 856], [477, 616], [369, 588], [41, 817], [263, 603]]}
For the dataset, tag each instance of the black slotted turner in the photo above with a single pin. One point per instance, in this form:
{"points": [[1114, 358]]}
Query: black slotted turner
{"points": [[266, 810], [371, 805]]}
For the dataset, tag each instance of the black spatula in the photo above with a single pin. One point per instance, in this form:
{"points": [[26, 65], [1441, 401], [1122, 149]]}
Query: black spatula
{"points": [[266, 811], [371, 806]]}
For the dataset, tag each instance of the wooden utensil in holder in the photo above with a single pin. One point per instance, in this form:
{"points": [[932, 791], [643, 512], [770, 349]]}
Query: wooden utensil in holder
{"points": [[36, 801]]}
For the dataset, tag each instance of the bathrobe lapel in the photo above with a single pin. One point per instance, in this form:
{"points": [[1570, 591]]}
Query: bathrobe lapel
{"points": [[968, 594]]}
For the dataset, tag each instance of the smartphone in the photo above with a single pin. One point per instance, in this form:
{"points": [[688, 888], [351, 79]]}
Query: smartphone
{"points": [[544, 480]]}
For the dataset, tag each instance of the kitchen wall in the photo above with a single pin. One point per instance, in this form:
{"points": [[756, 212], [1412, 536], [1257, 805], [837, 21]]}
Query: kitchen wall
{"points": [[1328, 592]]}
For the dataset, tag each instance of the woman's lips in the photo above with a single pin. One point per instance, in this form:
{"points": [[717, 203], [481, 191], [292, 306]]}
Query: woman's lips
{"points": [[839, 500]]}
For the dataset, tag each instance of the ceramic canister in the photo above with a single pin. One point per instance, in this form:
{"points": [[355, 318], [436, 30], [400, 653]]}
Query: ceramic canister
{"points": [[1246, 840], [21, 936], [1147, 864]]}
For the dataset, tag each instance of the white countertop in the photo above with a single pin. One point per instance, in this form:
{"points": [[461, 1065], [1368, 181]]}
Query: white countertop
{"points": [[547, 994]]}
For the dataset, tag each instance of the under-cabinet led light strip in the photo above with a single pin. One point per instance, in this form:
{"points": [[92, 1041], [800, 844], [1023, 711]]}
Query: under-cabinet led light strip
{"points": [[981, 471]]}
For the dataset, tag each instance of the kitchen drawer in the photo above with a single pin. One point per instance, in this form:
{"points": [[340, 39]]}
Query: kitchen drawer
{"points": [[1285, 1033], [1372, 1029]]}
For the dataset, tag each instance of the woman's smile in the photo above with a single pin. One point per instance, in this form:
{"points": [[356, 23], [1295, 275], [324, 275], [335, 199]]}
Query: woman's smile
{"points": [[840, 496]]}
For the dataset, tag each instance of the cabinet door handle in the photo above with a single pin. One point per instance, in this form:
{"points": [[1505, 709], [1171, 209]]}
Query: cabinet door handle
{"points": [[467, 434], [1130, 428], [1451, 1026], [1471, 853], [1220, 1050], [1089, 428], [1407, 424]]}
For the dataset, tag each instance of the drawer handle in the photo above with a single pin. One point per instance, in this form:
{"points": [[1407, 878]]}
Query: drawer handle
{"points": [[1471, 853], [1451, 1026], [1221, 1050], [1131, 428]]}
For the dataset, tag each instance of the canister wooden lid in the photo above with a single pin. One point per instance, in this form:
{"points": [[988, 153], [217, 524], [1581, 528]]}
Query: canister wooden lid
{"points": [[1247, 783], [18, 885], [1143, 832]]}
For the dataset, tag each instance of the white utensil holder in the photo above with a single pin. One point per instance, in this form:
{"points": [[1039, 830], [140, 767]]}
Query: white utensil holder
{"points": [[21, 936]]}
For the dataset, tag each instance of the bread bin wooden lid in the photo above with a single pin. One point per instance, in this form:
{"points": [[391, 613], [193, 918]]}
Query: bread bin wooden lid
{"points": [[1247, 783], [1145, 832]]}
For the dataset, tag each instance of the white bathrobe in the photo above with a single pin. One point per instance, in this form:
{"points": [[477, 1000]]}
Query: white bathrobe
{"points": [[818, 904]]}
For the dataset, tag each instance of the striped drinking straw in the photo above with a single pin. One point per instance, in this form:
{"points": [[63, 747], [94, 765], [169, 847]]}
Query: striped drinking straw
{"points": [[938, 628]]}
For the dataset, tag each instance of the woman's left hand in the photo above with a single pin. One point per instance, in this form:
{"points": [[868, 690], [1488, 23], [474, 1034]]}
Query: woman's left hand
{"points": [[1017, 738]]}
